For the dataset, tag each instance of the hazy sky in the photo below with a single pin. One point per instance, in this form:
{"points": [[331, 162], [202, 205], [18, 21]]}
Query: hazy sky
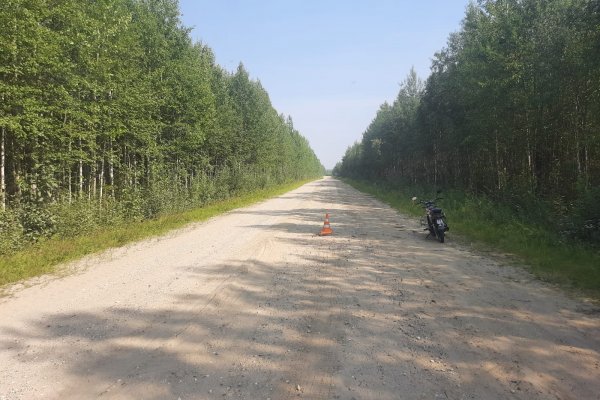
{"points": [[329, 64]]}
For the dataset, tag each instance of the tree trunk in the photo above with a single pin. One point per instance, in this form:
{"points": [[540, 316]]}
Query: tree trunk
{"points": [[586, 170], [111, 170], [2, 169], [177, 173], [147, 166], [16, 173], [127, 161], [80, 172], [69, 172], [101, 180], [93, 180], [497, 155], [134, 171], [435, 165]]}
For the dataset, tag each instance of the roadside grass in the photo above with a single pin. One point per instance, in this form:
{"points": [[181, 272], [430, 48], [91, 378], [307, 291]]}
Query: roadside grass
{"points": [[45, 256], [492, 226]]}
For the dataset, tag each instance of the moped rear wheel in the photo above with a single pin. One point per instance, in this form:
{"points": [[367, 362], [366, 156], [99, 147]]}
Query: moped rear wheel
{"points": [[439, 233]]}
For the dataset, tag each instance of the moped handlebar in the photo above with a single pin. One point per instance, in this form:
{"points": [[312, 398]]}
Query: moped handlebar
{"points": [[426, 202]]}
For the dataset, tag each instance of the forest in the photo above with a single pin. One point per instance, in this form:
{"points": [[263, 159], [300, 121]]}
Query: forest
{"points": [[110, 113], [510, 111]]}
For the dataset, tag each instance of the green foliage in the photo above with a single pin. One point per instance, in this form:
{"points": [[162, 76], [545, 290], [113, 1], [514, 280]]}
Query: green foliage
{"points": [[584, 224], [110, 113], [511, 111], [36, 221], [12, 232]]}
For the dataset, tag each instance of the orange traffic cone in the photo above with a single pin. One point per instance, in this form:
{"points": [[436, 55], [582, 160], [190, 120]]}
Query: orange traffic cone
{"points": [[326, 227]]}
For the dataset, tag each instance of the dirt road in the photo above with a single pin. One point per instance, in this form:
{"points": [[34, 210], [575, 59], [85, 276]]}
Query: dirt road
{"points": [[254, 305]]}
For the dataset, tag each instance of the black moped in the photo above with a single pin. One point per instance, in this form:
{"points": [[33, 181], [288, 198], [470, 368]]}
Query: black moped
{"points": [[434, 220]]}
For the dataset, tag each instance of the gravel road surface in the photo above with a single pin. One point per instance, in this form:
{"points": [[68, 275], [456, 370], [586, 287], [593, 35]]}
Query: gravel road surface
{"points": [[254, 305]]}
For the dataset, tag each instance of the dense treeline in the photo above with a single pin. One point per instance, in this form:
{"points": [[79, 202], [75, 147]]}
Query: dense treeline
{"points": [[109, 111], [511, 110]]}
